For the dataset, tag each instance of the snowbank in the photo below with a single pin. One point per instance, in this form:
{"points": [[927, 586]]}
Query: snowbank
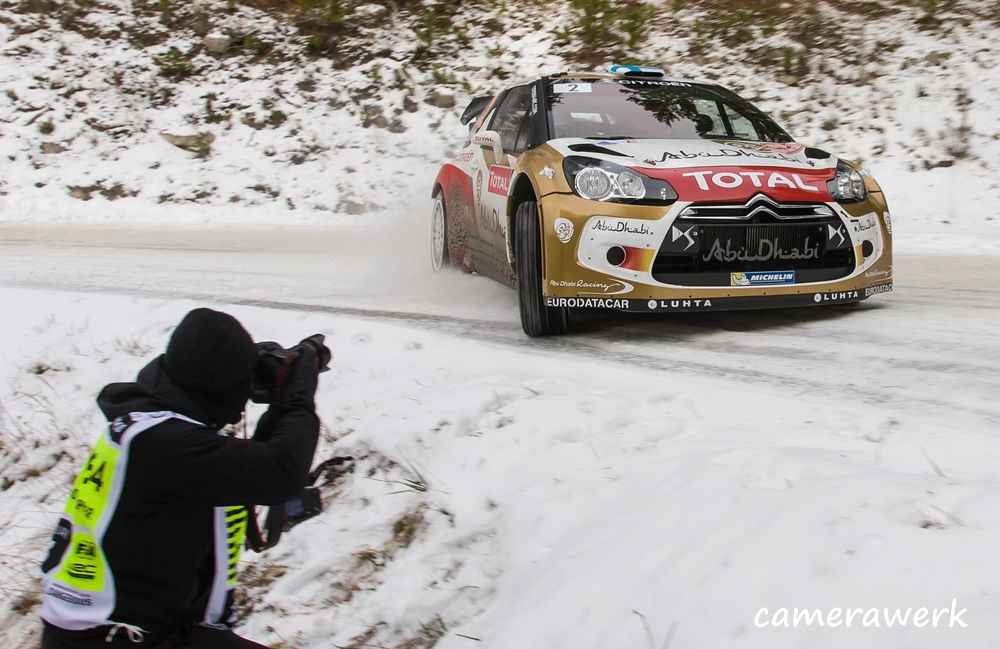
{"points": [[530, 498]]}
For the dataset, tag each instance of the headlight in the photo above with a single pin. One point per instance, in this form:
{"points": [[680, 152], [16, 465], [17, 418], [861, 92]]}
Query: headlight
{"points": [[600, 180], [847, 186]]}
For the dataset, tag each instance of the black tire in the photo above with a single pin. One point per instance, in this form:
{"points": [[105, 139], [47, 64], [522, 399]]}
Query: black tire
{"points": [[439, 233], [536, 318]]}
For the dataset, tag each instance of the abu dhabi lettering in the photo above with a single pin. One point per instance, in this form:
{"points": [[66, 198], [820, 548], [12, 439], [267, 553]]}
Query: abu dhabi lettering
{"points": [[725, 153], [867, 223], [620, 227], [767, 250], [605, 287], [492, 224]]}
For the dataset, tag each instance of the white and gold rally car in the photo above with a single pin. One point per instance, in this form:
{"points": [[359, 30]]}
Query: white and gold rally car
{"points": [[636, 192]]}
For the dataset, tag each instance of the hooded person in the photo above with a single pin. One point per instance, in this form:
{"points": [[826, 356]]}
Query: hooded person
{"points": [[145, 554]]}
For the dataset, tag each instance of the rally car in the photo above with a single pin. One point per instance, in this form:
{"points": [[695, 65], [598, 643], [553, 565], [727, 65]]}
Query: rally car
{"points": [[637, 192]]}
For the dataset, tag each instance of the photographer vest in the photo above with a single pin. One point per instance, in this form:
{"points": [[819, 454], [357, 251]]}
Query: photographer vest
{"points": [[78, 583]]}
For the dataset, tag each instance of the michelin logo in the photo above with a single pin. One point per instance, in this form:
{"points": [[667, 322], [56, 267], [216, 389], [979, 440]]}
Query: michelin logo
{"points": [[762, 279]]}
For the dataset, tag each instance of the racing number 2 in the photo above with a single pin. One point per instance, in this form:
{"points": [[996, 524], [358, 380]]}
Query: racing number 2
{"points": [[571, 87]]}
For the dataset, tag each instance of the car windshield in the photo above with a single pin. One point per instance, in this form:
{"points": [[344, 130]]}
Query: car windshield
{"points": [[640, 108]]}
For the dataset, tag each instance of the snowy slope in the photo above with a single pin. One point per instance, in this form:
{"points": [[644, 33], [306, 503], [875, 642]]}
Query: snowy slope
{"points": [[505, 498], [291, 137]]}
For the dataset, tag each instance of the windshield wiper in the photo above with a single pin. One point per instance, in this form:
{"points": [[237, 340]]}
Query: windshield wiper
{"points": [[611, 137]]}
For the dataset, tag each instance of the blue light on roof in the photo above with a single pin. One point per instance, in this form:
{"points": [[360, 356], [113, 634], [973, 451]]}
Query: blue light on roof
{"points": [[636, 71]]}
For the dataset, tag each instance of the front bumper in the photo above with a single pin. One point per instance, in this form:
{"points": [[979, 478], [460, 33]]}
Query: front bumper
{"points": [[719, 304], [608, 260]]}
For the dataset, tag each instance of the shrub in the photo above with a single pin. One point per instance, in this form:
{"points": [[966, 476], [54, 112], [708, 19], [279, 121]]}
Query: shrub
{"points": [[607, 28], [174, 64]]}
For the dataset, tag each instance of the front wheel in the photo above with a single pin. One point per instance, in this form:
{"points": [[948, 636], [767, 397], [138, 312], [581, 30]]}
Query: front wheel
{"points": [[439, 234], [537, 319]]}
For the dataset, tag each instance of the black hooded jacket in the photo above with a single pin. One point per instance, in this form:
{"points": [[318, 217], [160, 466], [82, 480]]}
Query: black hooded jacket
{"points": [[159, 544]]}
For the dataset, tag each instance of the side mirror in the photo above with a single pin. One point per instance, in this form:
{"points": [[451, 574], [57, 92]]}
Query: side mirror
{"points": [[489, 139], [475, 108]]}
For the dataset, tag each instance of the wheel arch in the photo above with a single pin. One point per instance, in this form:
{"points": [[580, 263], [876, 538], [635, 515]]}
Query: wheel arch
{"points": [[523, 190], [454, 186]]}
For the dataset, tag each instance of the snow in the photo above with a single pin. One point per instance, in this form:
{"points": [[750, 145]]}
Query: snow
{"points": [[639, 485], [555, 497]]}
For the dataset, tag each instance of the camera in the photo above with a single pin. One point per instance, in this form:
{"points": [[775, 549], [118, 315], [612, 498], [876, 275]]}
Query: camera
{"points": [[275, 366], [274, 363]]}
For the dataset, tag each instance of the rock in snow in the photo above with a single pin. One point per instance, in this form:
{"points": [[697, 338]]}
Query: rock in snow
{"points": [[217, 43], [197, 143]]}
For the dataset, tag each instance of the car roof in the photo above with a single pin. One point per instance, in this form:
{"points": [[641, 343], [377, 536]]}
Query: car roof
{"points": [[605, 75]]}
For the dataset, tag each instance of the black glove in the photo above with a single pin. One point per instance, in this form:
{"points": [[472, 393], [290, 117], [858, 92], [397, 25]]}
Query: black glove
{"points": [[299, 385]]}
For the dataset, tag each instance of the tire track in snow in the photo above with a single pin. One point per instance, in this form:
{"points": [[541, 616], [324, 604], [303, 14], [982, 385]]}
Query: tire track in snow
{"points": [[675, 346], [928, 347]]}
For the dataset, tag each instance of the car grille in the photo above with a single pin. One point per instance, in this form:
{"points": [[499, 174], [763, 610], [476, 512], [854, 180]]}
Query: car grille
{"points": [[759, 207], [709, 242], [760, 247]]}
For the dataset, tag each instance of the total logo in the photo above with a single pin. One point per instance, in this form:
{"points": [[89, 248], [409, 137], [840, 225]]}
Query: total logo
{"points": [[499, 180], [731, 180]]}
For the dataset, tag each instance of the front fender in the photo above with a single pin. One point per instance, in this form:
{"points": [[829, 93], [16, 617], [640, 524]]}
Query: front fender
{"points": [[537, 173]]}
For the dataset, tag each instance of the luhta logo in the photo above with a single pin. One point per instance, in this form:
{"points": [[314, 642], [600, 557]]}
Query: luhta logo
{"points": [[499, 180]]}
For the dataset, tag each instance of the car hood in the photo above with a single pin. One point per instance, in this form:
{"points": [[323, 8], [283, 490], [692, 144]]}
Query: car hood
{"points": [[699, 153], [718, 170]]}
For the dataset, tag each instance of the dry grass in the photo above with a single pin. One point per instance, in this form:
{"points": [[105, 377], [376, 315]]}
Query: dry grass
{"points": [[131, 345], [428, 635], [363, 640], [32, 444], [362, 573], [20, 626], [254, 580], [406, 529], [425, 638]]}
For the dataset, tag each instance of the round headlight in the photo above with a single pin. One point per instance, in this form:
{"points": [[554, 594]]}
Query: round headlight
{"points": [[602, 180], [847, 185], [844, 185], [593, 183], [857, 184], [631, 185]]}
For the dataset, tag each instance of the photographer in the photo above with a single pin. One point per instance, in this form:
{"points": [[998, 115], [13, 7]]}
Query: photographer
{"points": [[145, 554]]}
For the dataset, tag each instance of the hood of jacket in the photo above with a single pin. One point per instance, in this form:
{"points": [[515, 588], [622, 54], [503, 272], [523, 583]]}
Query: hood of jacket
{"points": [[154, 391]]}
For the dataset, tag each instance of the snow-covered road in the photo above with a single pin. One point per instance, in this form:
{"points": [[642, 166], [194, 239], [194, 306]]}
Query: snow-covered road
{"points": [[928, 346]]}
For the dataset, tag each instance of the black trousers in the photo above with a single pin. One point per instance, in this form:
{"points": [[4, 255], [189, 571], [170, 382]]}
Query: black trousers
{"points": [[199, 637]]}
